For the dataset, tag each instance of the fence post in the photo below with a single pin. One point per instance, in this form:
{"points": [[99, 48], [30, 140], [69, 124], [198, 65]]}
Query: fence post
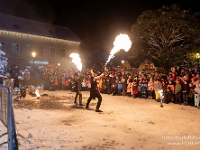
{"points": [[8, 119]]}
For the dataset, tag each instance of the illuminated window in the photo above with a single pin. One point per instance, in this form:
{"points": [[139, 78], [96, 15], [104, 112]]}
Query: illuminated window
{"points": [[53, 52], [62, 52], [15, 48], [41, 51], [2, 46], [28, 50]]}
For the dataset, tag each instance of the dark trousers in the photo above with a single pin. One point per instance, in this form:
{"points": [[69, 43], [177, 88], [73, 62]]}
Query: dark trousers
{"points": [[108, 88], [149, 93], [144, 95], [80, 98], [99, 97], [169, 98], [191, 101], [119, 91], [124, 89], [139, 94], [178, 98]]}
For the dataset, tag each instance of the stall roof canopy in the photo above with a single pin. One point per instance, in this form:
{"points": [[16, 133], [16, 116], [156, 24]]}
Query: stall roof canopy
{"points": [[22, 25]]}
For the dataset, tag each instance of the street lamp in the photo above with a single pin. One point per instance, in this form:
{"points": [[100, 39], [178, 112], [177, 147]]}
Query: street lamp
{"points": [[197, 57], [33, 55]]}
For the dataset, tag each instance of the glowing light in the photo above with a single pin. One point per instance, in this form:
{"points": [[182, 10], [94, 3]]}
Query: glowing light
{"points": [[39, 62], [37, 93], [122, 41], [35, 37], [76, 60], [33, 54]]}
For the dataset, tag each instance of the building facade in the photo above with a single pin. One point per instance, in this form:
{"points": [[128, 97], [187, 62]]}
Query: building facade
{"points": [[20, 37]]}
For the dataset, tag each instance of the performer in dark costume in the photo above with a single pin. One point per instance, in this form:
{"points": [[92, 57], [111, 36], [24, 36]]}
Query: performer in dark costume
{"points": [[78, 80], [94, 92]]}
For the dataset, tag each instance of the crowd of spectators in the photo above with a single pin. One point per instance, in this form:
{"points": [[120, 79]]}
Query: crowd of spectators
{"points": [[178, 86]]}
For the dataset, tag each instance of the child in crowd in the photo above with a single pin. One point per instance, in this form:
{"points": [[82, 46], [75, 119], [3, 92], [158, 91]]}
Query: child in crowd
{"points": [[144, 88], [135, 89], [115, 87], [129, 87], [171, 86], [120, 86], [191, 94], [197, 95], [139, 87], [169, 95]]}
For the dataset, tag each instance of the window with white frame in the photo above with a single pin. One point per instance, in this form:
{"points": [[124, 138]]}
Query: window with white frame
{"points": [[15, 48], [53, 52], [41, 51], [62, 53], [28, 50], [2, 46]]}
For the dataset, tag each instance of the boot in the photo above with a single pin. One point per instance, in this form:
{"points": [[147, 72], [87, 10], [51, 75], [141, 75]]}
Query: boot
{"points": [[97, 107], [80, 100], [98, 110], [75, 101], [87, 105]]}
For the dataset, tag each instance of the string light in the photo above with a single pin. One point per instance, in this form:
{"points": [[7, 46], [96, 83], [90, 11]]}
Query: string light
{"points": [[39, 37]]}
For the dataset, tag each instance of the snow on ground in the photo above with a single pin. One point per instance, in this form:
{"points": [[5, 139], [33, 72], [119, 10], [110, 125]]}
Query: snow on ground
{"points": [[125, 124]]}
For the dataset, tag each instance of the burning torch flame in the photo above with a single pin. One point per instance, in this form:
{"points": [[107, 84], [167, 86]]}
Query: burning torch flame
{"points": [[37, 93], [76, 60], [122, 41]]}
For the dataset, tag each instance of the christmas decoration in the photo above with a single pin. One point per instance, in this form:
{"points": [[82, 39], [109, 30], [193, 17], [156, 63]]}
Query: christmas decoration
{"points": [[3, 61]]}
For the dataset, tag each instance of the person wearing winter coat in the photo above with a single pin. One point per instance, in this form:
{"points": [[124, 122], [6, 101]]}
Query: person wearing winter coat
{"points": [[144, 88], [191, 94], [139, 87], [129, 88], [135, 89], [185, 92], [123, 82], [171, 86], [150, 88], [177, 92], [169, 95], [197, 90]]}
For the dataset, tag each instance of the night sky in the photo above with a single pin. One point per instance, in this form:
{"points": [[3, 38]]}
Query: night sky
{"points": [[95, 22]]}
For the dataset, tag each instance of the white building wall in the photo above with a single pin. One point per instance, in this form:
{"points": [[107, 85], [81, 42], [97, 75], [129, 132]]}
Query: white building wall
{"points": [[22, 59]]}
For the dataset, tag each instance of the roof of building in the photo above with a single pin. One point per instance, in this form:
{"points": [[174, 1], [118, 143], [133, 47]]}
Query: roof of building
{"points": [[22, 25]]}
